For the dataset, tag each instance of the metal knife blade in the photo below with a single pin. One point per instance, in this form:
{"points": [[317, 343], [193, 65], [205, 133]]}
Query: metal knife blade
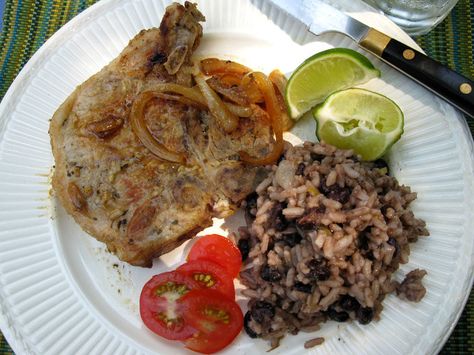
{"points": [[320, 18]]}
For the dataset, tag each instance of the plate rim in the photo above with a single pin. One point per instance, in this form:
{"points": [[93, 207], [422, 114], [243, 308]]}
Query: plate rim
{"points": [[21, 81]]}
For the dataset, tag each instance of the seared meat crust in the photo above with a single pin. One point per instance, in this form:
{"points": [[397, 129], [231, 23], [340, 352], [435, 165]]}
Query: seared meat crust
{"points": [[114, 187]]}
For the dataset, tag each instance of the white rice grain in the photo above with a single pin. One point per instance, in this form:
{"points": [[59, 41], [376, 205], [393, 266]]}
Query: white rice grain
{"points": [[293, 212], [331, 178]]}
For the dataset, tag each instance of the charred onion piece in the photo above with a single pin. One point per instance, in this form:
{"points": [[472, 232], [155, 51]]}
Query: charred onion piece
{"points": [[275, 113], [232, 92], [213, 66], [226, 119], [77, 197], [106, 127], [139, 127], [279, 82]]}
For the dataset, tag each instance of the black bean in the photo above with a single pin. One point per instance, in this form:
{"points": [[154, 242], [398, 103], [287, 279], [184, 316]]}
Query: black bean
{"points": [[380, 164], [365, 315], [244, 247], [337, 316], [303, 230], [369, 255], [250, 207], [341, 194], [276, 219], [262, 311], [318, 270], [363, 239], [300, 169], [251, 201], [316, 156], [270, 274], [349, 303], [325, 189], [311, 219], [292, 239], [393, 242], [306, 288], [250, 332], [281, 223], [335, 192]]}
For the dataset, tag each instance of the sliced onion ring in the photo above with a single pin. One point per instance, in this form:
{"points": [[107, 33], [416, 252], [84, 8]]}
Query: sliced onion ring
{"points": [[251, 88], [241, 111], [230, 79], [139, 127], [190, 93], [279, 82], [279, 79], [273, 109], [232, 93], [212, 66], [226, 119]]}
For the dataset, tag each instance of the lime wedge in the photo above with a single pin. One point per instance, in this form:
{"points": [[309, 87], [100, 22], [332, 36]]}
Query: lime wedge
{"points": [[322, 74], [362, 120]]}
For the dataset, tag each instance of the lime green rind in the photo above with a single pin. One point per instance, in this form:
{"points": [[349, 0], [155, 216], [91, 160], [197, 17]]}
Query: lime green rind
{"points": [[297, 108], [346, 52]]}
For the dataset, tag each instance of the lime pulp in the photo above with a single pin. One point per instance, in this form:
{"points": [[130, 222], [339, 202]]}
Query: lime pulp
{"points": [[358, 119]]}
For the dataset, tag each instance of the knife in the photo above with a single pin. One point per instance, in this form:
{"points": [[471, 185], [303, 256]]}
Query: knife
{"points": [[320, 18]]}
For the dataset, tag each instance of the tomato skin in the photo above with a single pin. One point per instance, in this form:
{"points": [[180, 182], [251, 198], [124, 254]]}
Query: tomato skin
{"points": [[220, 279], [218, 249], [153, 304], [217, 319]]}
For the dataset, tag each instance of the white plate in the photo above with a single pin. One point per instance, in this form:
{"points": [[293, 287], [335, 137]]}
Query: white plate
{"points": [[62, 293]]}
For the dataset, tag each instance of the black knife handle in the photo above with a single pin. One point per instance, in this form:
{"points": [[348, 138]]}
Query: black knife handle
{"points": [[446, 83]]}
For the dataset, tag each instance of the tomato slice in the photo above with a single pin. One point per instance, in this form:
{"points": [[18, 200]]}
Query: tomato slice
{"points": [[159, 308], [217, 319], [210, 275], [218, 249]]}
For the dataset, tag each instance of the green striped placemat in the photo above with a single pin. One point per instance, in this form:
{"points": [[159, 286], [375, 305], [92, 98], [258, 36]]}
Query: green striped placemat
{"points": [[28, 24]]}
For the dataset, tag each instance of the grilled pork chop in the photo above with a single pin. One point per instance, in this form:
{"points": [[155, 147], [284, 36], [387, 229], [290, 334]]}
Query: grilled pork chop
{"points": [[113, 186]]}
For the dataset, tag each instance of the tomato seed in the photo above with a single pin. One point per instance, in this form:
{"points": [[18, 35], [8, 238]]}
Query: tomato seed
{"points": [[171, 287], [218, 314], [207, 279]]}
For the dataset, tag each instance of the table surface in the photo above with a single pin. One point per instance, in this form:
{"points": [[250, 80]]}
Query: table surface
{"points": [[28, 24]]}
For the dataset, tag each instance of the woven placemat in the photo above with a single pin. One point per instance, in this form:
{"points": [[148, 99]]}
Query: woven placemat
{"points": [[28, 24]]}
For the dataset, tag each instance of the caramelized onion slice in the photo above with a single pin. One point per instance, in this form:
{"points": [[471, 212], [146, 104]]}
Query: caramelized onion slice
{"points": [[193, 97], [250, 87], [182, 99], [212, 66], [232, 92], [279, 82], [273, 109], [226, 119], [139, 127], [230, 79], [190, 93], [241, 111]]}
